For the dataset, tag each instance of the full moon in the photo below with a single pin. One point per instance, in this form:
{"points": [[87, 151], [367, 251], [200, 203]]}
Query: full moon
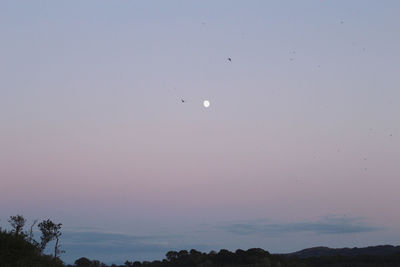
{"points": [[206, 103]]}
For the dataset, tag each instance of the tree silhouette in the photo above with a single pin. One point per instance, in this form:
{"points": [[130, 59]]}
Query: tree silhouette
{"points": [[171, 256], [50, 231], [30, 236], [83, 262], [17, 223]]}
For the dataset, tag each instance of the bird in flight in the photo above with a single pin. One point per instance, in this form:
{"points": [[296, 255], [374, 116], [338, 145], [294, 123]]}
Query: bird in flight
{"points": [[229, 59], [183, 100]]}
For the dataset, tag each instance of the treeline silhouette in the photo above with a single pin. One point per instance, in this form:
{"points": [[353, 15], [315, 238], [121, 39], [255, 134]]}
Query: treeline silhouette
{"points": [[19, 248], [255, 257]]}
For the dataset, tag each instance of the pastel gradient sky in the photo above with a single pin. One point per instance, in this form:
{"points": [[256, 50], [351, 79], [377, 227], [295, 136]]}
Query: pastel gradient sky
{"points": [[300, 146]]}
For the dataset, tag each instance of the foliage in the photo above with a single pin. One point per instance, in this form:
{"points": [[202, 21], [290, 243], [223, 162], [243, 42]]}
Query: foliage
{"points": [[17, 223], [50, 231], [15, 251], [20, 249], [257, 257]]}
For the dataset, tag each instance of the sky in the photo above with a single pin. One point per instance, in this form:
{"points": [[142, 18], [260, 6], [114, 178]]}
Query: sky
{"points": [[300, 146]]}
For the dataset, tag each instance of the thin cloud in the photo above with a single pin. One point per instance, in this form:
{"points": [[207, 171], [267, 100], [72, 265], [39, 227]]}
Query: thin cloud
{"points": [[115, 241], [328, 225]]}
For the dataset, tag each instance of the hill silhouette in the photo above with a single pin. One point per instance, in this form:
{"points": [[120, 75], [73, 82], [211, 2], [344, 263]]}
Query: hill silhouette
{"points": [[16, 251], [325, 251]]}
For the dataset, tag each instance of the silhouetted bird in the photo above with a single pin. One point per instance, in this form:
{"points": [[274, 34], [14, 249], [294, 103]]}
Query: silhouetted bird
{"points": [[229, 59], [183, 100]]}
